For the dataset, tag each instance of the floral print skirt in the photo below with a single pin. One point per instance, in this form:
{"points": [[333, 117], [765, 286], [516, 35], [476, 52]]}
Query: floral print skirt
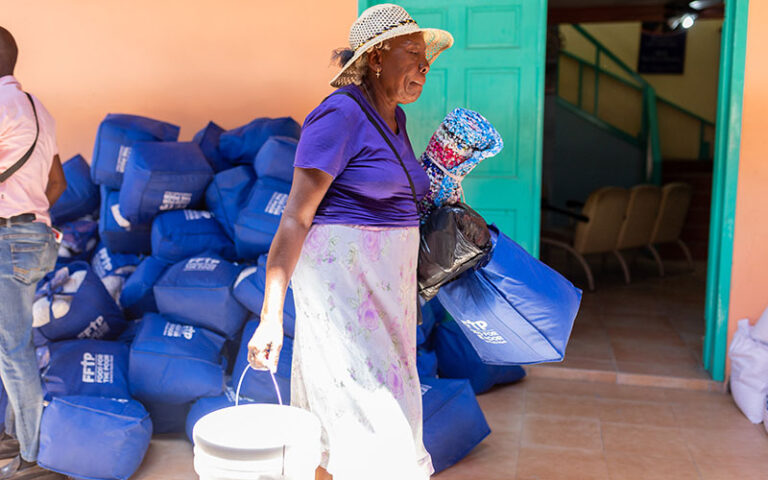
{"points": [[354, 352]]}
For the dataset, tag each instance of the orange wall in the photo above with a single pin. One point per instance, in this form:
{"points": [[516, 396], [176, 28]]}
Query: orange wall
{"points": [[186, 62], [749, 287]]}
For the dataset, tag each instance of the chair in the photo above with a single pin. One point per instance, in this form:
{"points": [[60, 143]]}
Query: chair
{"points": [[636, 229], [604, 209], [675, 200]]}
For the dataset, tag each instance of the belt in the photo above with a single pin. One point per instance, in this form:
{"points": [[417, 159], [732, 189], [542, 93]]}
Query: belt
{"points": [[18, 220]]}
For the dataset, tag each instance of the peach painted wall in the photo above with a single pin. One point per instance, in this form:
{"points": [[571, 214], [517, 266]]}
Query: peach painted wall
{"points": [[749, 283], [186, 62]]}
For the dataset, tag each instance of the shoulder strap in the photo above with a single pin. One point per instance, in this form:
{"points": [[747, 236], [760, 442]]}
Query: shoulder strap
{"points": [[386, 139], [20, 163]]}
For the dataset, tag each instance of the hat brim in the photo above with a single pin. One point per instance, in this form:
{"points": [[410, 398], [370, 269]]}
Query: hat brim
{"points": [[437, 41]]}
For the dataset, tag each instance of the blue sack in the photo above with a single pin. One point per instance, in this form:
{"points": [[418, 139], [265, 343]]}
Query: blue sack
{"points": [[81, 196], [426, 363], [114, 141], [257, 384], [432, 313], [175, 363], [515, 310], [163, 176], [199, 291], [249, 290], [258, 220], [117, 233], [457, 359], [275, 158], [95, 368], [138, 295], [208, 140], [93, 437], [92, 313], [240, 145], [3, 406], [206, 405], [454, 424], [105, 262], [182, 234], [227, 194], [79, 239], [168, 417]]}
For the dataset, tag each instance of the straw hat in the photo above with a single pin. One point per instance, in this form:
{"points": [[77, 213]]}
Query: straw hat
{"points": [[380, 23], [463, 140]]}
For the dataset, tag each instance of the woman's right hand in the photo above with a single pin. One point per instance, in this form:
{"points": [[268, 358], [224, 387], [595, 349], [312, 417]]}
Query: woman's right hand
{"points": [[266, 343]]}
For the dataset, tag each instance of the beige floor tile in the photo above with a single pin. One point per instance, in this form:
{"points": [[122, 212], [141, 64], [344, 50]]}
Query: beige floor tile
{"points": [[637, 467], [643, 440], [494, 459], [729, 470], [680, 368], [638, 413], [541, 463], [169, 458], [666, 337], [561, 405], [547, 431], [748, 442], [710, 416]]}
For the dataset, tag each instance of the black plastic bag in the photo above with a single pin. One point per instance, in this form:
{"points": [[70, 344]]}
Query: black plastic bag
{"points": [[454, 239]]}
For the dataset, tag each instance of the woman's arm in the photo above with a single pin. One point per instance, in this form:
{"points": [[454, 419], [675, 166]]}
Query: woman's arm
{"points": [[307, 191]]}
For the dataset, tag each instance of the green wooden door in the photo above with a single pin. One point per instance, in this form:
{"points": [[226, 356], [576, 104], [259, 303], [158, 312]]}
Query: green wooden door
{"points": [[496, 67]]}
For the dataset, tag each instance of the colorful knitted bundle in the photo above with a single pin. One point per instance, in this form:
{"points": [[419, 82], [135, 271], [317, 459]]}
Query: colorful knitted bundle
{"points": [[462, 141]]}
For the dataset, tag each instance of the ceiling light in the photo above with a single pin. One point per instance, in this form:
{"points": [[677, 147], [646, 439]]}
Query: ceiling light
{"points": [[688, 20]]}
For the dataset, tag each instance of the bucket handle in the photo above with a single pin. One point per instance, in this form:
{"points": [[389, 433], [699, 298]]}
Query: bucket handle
{"points": [[240, 384]]}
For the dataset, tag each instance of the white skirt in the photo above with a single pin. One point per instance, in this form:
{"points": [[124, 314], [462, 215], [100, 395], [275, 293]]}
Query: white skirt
{"points": [[354, 352]]}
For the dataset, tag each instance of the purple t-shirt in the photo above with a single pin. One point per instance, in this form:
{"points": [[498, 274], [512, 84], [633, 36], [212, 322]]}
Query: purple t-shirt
{"points": [[369, 185]]}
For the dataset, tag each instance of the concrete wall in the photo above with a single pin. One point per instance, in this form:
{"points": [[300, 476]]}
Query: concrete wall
{"points": [[180, 61], [695, 89], [587, 158], [749, 281]]}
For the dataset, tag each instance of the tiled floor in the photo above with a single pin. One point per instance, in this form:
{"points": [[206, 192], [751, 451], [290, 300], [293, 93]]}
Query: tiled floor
{"points": [[651, 327], [545, 429]]}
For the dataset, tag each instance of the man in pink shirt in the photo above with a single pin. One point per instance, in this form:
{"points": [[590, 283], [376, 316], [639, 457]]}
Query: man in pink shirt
{"points": [[31, 179]]}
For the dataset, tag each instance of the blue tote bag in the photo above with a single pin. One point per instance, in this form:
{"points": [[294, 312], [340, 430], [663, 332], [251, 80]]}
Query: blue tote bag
{"points": [[257, 384], [96, 368], [105, 263], [114, 141], [227, 194], [163, 176], [182, 234], [515, 310], [206, 405], [249, 290], [174, 363], [208, 141], [456, 358], [275, 158], [94, 438], [240, 145], [81, 196], [167, 417], [117, 233], [92, 313], [258, 220], [79, 240], [138, 296], [199, 291], [454, 424]]}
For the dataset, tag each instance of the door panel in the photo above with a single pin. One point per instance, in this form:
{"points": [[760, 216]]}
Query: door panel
{"points": [[495, 67]]}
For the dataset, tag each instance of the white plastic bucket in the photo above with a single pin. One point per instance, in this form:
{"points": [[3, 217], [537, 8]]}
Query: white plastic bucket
{"points": [[257, 442]]}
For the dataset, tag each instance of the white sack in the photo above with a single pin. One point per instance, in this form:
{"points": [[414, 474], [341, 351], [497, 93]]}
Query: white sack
{"points": [[42, 307], [749, 372]]}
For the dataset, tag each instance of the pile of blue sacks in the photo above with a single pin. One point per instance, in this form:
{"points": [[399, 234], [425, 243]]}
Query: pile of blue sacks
{"points": [[173, 239]]}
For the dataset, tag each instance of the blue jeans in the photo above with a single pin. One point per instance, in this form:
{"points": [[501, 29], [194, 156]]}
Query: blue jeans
{"points": [[27, 253]]}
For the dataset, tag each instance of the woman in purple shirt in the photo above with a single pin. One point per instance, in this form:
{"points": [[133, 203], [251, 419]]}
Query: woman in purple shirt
{"points": [[348, 241]]}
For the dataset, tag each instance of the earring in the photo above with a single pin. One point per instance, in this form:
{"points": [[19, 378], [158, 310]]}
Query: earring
{"points": [[378, 73]]}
